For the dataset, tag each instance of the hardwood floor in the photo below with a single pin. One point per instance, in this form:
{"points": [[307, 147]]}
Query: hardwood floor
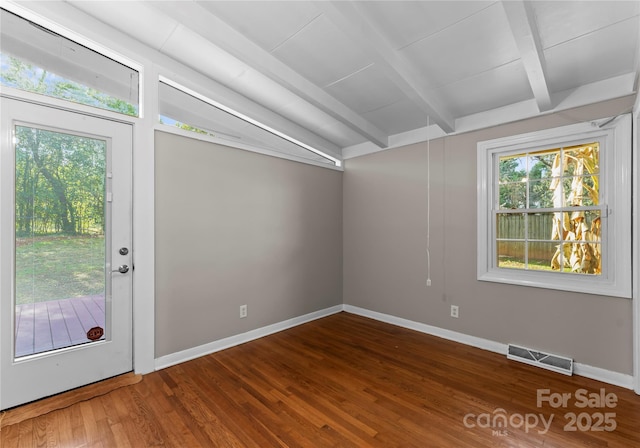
{"points": [[344, 381]]}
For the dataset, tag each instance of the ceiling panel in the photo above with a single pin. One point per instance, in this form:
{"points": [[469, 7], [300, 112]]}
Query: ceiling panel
{"points": [[366, 90], [321, 53], [476, 44], [398, 117], [593, 57], [499, 87], [285, 18], [560, 21], [404, 23]]}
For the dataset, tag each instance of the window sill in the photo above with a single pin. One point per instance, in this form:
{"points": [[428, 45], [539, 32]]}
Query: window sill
{"points": [[559, 281]]}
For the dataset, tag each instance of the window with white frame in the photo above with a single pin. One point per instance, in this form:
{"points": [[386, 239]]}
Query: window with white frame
{"points": [[38, 60], [188, 110], [554, 208]]}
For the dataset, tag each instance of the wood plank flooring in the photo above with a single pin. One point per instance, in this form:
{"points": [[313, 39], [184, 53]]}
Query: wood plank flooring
{"points": [[344, 381], [66, 399]]}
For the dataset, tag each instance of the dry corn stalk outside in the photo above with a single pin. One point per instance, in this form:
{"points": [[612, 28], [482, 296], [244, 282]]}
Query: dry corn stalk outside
{"points": [[580, 251]]}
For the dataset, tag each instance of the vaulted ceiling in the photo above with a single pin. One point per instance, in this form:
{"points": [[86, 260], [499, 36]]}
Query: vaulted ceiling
{"points": [[361, 74]]}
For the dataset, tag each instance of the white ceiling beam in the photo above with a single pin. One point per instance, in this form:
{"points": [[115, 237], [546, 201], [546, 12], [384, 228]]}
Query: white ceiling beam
{"points": [[352, 19], [524, 30], [218, 32]]}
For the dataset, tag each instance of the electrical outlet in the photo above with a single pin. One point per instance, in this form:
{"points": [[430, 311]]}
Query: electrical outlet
{"points": [[454, 311], [243, 311]]}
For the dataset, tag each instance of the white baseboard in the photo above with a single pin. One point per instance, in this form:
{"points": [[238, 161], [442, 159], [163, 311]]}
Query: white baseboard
{"points": [[215, 346], [595, 373], [450, 335], [606, 376]]}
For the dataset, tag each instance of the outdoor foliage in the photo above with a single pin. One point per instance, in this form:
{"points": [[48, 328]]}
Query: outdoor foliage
{"points": [[60, 215], [59, 183], [187, 127], [583, 253], [25, 76], [546, 185]]}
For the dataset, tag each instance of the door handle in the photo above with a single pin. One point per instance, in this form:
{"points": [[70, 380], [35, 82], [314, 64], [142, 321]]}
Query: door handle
{"points": [[123, 269]]}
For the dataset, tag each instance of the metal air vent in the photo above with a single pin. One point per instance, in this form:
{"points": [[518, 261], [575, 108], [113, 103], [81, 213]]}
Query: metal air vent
{"points": [[547, 361]]}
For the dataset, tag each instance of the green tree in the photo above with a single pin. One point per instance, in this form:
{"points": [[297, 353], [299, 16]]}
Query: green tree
{"points": [[25, 76], [512, 190], [59, 182], [540, 191]]}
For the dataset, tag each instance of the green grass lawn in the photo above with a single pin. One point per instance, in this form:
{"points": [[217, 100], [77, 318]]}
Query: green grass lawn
{"points": [[534, 265], [59, 267], [515, 263]]}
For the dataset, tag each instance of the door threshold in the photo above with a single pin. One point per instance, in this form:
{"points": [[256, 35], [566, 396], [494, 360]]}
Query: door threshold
{"points": [[65, 399]]}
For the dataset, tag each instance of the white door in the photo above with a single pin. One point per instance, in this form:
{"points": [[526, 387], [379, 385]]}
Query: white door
{"points": [[65, 258]]}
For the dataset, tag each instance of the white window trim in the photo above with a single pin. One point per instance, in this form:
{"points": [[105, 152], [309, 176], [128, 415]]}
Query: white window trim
{"points": [[81, 39], [186, 90], [616, 171]]}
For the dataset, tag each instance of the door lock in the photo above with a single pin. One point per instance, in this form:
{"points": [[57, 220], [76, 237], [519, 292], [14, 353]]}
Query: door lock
{"points": [[123, 251]]}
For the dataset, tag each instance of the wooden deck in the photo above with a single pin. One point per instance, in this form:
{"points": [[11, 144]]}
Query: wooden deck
{"points": [[45, 326]]}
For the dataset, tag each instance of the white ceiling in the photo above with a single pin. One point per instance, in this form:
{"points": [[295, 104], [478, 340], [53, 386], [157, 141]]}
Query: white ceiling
{"points": [[362, 73]]}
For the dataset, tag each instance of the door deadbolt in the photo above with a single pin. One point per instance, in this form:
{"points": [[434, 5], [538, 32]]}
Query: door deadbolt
{"points": [[123, 251]]}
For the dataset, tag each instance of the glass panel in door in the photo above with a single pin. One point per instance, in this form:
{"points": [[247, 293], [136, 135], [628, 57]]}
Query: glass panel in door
{"points": [[60, 219]]}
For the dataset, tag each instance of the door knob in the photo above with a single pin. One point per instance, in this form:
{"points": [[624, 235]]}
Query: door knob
{"points": [[123, 269]]}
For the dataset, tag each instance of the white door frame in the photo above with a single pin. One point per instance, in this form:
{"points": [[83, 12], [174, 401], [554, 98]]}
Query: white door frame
{"points": [[78, 365], [74, 24], [636, 246]]}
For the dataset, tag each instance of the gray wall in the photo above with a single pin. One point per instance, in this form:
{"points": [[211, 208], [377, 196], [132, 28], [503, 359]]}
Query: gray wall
{"points": [[385, 229], [235, 227]]}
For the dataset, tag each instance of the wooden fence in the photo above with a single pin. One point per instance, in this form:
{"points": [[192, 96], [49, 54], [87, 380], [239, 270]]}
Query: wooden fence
{"points": [[540, 226]]}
